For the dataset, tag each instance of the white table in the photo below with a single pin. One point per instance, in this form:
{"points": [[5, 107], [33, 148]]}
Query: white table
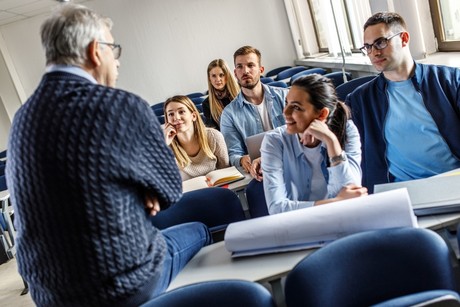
{"points": [[214, 262]]}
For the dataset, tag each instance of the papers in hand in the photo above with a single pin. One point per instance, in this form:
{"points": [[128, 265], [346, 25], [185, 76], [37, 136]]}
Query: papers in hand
{"points": [[215, 178], [316, 226]]}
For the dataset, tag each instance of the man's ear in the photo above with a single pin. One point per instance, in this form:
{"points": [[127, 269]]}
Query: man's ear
{"points": [[405, 37], [323, 114], [94, 53]]}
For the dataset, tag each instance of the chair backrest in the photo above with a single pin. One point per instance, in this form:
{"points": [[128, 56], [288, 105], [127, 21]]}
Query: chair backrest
{"points": [[305, 72], [371, 267], [278, 84], [222, 293], [195, 94], [337, 77], [158, 108], [266, 79], [273, 72], [346, 88], [214, 207], [288, 73], [255, 197], [198, 100]]}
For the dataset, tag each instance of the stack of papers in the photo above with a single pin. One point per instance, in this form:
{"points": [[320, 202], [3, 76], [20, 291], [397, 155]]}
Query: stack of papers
{"points": [[434, 195], [316, 226]]}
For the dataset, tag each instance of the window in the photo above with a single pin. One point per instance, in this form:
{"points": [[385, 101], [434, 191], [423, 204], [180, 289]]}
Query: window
{"points": [[446, 20], [336, 24]]}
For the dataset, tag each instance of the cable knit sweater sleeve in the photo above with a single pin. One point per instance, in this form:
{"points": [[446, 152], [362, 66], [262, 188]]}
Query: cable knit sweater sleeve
{"points": [[81, 158]]}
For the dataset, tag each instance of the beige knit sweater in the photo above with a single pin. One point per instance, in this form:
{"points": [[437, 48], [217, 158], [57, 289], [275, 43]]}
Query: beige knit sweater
{"points": [[202, 164]]}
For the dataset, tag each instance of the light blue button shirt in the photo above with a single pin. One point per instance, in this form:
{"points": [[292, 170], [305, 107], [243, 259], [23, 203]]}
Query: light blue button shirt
{"points": [[241, 119], [288, 175]]}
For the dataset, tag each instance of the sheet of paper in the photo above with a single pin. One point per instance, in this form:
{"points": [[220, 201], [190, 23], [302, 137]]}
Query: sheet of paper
{"points": [[321, 224]]}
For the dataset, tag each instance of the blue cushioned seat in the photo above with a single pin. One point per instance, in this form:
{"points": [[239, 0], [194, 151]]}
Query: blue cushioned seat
{"points": [[222, 293], [371, 267]]}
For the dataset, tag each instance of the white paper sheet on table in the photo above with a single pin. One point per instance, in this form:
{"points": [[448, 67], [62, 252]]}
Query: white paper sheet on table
{"points": [[316, 226]]}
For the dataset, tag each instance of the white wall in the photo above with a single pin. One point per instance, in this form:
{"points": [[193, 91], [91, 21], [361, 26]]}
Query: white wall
{"points": [[167, 45]]}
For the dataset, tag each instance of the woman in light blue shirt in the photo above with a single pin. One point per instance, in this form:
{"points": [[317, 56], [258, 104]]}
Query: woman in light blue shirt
{"points": [[315, 158]]}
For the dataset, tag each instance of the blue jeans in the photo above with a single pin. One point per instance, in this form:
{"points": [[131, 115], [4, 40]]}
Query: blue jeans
{"points": [[183, 242]]}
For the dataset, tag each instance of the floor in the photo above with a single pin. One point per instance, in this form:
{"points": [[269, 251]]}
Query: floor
{"points": [[11, 286]]}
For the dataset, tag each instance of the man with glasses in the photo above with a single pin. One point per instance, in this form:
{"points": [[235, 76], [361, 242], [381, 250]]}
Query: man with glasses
{"points": [[409, 115], [87, 165]]}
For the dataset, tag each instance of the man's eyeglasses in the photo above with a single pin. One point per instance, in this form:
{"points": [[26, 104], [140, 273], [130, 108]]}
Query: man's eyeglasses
{"points": [[116, 49], [379, 44]]}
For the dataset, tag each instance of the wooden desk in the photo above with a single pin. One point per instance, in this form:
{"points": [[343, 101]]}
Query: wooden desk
{"points": [[214, 262]]}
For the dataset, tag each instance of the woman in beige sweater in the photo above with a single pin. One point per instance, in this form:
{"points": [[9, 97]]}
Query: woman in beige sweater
{"points": [[198, 150]]}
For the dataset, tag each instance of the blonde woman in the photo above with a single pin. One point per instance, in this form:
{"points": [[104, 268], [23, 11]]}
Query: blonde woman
{"points": [[198, 150], [222, 89]]}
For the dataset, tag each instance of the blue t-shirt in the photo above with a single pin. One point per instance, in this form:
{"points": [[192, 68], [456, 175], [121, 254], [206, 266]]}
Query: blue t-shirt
{"points": [[415, 148]]}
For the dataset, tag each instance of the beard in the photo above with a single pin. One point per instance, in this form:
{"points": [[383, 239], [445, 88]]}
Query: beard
{"points": [[249, 86]]}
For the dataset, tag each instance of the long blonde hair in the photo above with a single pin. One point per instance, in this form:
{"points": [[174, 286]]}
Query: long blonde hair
{"points": [[200, 133], [231, 86]]}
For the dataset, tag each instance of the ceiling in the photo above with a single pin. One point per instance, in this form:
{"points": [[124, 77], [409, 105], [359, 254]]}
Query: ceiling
{"points": [[15, 10]]}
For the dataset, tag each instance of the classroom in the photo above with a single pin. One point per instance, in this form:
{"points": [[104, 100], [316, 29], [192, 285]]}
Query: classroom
{"points": [[161, 50]]}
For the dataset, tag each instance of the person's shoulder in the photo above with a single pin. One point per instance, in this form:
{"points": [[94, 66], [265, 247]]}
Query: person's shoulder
{"points": [[438, 69], [275, 89], [213, 133], [276, 133]]}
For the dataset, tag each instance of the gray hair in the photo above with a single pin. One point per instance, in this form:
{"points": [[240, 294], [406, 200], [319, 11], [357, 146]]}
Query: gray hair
{"points": [[67, 33]]}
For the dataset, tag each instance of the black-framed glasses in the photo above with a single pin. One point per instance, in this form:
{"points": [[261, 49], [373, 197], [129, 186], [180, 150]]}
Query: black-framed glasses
{"points": [[379, 44], [116, 49]]}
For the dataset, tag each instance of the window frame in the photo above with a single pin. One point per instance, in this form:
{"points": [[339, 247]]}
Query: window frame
{"points": [[436, 15]]}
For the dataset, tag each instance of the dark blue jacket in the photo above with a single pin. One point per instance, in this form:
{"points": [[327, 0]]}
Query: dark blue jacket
{"points": [[439, 87]]}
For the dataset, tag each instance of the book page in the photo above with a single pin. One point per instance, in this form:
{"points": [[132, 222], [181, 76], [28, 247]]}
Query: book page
{"points": [[194, 184], [223, 176]]}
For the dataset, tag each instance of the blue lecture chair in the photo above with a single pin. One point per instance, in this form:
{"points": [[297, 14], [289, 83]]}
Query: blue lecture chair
{"points": [[288, 73], [337, 77], [214, 207], [195, 94], [273, 72], [256, 199], [266, 80], [346, 88], [278, 84], [371, 267], [305, 72], [222, 293]]}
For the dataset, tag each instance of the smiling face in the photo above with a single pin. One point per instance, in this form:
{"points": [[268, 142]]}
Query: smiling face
{"points": [[248, 70], [180, 116], [299, 112], [217, 78]]}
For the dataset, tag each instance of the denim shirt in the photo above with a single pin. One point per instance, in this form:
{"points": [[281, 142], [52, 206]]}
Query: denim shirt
{"points": [[288, 175], [241, 119]]}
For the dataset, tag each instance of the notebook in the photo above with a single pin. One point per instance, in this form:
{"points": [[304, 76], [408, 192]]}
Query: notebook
{"points": [[434, 195], [253, 144]]}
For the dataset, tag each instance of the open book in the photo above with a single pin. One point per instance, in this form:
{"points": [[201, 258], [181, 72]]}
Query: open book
{"points": [[215, 178], [313, 227]]}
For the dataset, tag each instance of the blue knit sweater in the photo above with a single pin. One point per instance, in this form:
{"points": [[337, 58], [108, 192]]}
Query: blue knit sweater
{"points": [[81, 157]]}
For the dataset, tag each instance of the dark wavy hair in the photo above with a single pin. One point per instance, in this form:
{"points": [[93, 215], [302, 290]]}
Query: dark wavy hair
{"points": [[322, 94]]}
